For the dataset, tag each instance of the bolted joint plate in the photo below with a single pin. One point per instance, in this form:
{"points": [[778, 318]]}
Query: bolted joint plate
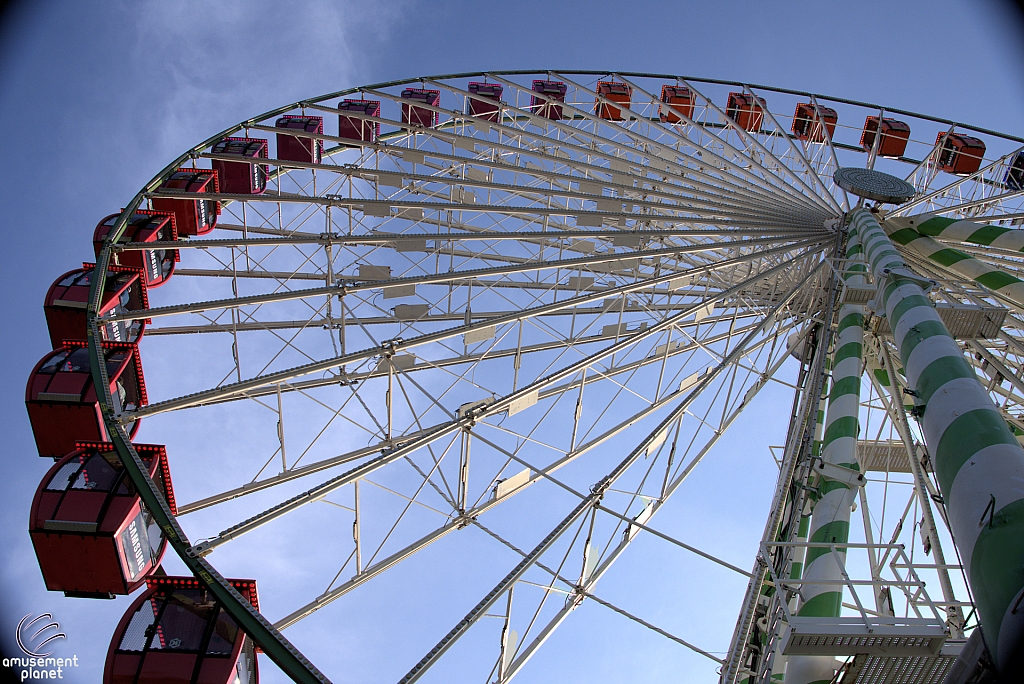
{"points": [[837, 473]]}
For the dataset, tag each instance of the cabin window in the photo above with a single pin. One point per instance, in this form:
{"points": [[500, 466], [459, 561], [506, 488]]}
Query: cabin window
{"points": [[142, 624], [64, 477], [225, 632], [184, 619], [97, 473], [67, 362], [76, 278]]}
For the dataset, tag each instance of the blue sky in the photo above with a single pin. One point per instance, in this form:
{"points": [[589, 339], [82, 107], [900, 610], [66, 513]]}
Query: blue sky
{"points": [[95, 98]]}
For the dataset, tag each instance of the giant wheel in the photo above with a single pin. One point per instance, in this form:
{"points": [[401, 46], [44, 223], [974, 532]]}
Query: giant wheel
{"points": [[477, 330]]}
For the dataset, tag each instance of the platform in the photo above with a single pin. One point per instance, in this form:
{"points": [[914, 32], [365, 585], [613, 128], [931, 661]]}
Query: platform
{"points": [[926, 669]]}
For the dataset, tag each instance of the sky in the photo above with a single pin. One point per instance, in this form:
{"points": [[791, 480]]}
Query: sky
{"points": [[96, 98]]}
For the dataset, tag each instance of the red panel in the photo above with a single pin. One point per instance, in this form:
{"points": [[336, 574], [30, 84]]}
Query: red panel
{"points": [[807, 122], [961, 154], [164, 665], [79, 384], [895, 135], [185, 214], [354, 128], [58, 426], [43, 504], [62, 406], [65, 323], [80, 505], [616, 92], [66, 300], [121, 668], [555, 92], [79, 512], [678, 101], [300, 149], [241, 177], [218, 670], [420, 116], [487, 101], [192, 216], [745, 111], [169, 668], [144, 226], [79, 563]]}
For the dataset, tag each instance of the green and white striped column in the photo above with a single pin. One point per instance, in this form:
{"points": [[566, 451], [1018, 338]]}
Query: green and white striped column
{"points": [[874, 367], [830, 519], [819, 424], [959, 262], [978, 462], [959, 230], [796, 569]]}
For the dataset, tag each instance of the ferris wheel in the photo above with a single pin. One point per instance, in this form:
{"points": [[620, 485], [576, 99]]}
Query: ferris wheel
{"points": [[475, 331]]}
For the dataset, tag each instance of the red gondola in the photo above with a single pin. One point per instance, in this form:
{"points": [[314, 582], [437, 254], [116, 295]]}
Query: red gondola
{"points": [[191, 216], [297, 148], [484, 100], [746, 110], [92, 535], [353, 128], [554, 90], [157, 265], [241, 177], [123, 291], [807, 123], [960, 154], [420, 116], [895, 135], [176, 632], [616, 92], [61, 399], [678, 100]]}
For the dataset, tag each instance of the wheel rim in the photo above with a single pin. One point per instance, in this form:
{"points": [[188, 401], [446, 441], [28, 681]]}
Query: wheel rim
{"points": [[690, 218]]}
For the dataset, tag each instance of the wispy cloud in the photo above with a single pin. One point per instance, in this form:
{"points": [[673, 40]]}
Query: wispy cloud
{"points": [[226, 61]]}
